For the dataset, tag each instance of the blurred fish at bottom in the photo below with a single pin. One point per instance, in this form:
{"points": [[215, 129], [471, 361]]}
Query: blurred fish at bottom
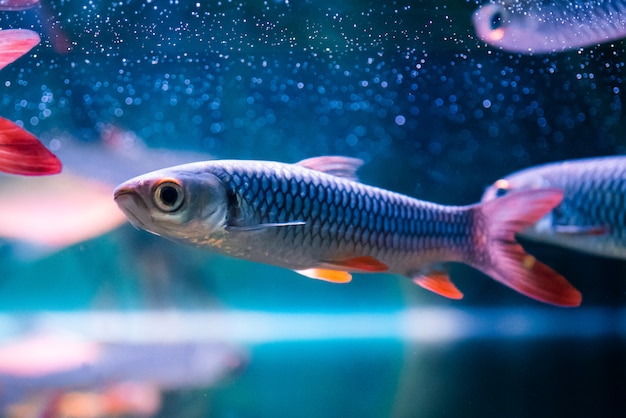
{"points": [[61, 375], [592, 216], [44, 215]]}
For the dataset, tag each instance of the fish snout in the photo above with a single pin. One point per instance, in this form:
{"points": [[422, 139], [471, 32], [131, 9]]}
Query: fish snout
{"points": [[121, 191], [129, 200], [127, 188]]}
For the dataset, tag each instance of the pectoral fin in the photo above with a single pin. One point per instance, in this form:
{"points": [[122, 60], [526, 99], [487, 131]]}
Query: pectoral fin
{"points": [[260, 227], [333, 276], [581, 230], [437, 281]]}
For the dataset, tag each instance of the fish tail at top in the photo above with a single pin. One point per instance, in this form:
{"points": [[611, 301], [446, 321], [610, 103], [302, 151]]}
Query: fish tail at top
{"points": [[498, 255], [22, 153]]}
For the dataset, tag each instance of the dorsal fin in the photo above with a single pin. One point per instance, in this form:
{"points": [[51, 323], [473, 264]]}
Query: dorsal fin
{"points": [[344, 167]]}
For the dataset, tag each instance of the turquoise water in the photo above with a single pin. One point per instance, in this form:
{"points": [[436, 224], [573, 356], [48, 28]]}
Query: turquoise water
{"points": [[404, 85]]}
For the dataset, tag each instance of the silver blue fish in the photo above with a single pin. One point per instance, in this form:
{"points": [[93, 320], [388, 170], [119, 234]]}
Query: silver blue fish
{"points": [[592, 215], [535, 26], [315, 218]]}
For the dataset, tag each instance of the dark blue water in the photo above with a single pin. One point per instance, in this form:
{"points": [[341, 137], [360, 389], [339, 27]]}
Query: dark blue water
{"points": [[404, 85]]}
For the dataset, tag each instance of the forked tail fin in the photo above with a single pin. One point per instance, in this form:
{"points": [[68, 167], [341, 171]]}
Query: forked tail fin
{"points": [[498, 254], [22, 153]]}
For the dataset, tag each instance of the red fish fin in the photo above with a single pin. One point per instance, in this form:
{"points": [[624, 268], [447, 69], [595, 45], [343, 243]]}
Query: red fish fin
{"points": [[498, 255], [338, 166], [14, 43], [581, 230], [367, 264], [22, 153], [333, 276], [438, 281]]}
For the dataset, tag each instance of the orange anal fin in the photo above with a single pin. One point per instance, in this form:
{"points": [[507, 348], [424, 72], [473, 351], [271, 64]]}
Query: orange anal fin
{"points": [[366, 263], [333, 276], [438, 281]]}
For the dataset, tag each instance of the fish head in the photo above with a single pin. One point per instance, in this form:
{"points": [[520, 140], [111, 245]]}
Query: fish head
{"points": [[491, 22], [508, 26], [184, 203], [523, 180]]}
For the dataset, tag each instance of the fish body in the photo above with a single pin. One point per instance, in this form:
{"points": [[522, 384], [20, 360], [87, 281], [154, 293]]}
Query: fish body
{"points": [[315, 218], [538, 27], [51, 369], [592, 216]]}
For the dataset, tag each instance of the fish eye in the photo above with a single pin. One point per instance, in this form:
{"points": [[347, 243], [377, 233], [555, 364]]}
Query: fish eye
{"points": [[501, 192], [168, 195], [502, 187], [497, 20]]}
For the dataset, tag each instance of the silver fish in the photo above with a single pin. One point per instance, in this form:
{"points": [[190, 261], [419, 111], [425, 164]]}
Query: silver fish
{"points": [[550, 26], [314, 217], [592, 215]]}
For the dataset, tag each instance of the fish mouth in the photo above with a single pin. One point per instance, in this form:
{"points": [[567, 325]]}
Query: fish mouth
{"points": [[133, 207], [122, 190]]}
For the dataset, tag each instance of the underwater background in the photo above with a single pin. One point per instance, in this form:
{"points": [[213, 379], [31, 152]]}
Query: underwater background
{"points": [[406, 86]]}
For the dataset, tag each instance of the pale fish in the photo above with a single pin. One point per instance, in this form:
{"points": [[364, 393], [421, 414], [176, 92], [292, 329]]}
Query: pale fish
{"points": [[537, 27], [315, 218], [592, 215], [43, 215], [66, 375]]}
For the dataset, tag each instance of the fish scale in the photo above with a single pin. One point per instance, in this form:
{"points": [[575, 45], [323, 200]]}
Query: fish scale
{"points": [[359, 223], [313, 217], [588, 189], [593, 208], [373, 228]]}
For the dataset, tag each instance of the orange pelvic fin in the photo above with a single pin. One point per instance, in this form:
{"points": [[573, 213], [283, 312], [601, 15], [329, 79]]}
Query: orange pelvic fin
{"points": [[333, 276], [438, 281], [366, 264]]}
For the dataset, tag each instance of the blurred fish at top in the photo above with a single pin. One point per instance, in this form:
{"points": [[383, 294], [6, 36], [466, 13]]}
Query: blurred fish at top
{"points": [[314, 217], [592, 216], [15, 5], [50, 23], [538, 27], [22, 153]]}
